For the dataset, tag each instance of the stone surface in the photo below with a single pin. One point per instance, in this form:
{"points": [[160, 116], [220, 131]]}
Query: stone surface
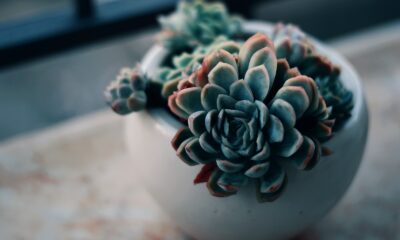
{"points": [[75, 180]]}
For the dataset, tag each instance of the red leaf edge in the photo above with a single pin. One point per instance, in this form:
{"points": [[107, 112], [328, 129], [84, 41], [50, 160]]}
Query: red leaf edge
{"points": [[205, 173]]}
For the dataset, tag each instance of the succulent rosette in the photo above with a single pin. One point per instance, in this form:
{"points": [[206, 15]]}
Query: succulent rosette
{"points": [[197, 23], [294, 46], [130, 90], [127, 93], [247, 114]]}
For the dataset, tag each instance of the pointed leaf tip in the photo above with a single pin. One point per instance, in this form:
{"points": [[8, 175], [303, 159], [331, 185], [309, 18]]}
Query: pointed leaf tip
{"points": [[189, 99], [205, 173]]}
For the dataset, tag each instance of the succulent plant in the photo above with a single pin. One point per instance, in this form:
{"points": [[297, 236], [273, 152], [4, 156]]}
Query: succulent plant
{"points": [[337, 96], [294, 46], [185, 64], [247, 114], [249, 108], [127, 93], [197, 23]]}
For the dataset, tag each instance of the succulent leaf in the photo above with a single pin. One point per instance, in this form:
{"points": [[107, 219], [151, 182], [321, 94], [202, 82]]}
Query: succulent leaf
{"points": [[229, 153], [292, 141], [197, 153], [211, 61], [189, 100], [259, 82], [170, 87], [209, 95], [173, 106], [228, 166], [267, 58], [183, 155], [196, 122], [303, 156], [296, 97], [275, 129], [309, 86], [225, 101], [223, 75], [257, 170], [239, 90], [263, 154], [262, 113], [317, 155], [231, 182], [208, 143], [205, 173], [271, 185], [251, 46], [180, 136], [213, 186], [284, 111]]}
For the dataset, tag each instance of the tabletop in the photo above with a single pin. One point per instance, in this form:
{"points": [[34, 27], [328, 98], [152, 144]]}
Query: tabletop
{"points": [[76, 181]]}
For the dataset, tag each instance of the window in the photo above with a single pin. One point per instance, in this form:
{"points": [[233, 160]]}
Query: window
{"points": [[33, 28]]}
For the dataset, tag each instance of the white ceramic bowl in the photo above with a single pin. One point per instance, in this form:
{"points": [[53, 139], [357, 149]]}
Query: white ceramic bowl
{"points": [[309, 195]]}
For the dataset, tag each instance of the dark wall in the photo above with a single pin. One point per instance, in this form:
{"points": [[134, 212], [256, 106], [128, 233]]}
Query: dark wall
{"points": [[328, 19]]}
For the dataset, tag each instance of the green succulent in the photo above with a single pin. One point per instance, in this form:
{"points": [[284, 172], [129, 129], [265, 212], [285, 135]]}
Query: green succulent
{"points": [[246, 115], [127, 93], [185, 64], [294, 46], [291, 44], [337, 96], [197, 23]]}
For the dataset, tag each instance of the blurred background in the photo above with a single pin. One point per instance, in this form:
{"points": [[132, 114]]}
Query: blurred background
{"points": [[64, 172], [56, 56]]}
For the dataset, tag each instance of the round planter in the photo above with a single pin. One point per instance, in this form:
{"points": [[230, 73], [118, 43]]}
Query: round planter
{"points": [[309, 195]]}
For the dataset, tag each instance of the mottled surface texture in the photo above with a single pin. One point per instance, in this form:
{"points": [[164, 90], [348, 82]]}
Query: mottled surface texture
{"points": [[75, 181]]}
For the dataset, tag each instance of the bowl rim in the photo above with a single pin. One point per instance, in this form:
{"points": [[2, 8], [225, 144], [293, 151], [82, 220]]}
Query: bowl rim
{"points": [[169, 125]]}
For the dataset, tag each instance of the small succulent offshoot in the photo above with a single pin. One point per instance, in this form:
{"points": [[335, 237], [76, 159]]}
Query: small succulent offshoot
{"points": [[129, 92]]}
